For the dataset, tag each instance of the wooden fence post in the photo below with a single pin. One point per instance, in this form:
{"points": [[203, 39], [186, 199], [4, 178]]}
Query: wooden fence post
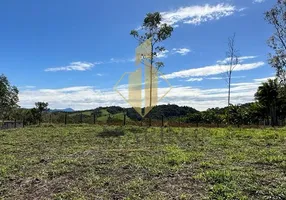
{"points": [[124, 119], [94, 118], [65, 118], [50, 118], [15, 123], [81, 117], [162, 120]]}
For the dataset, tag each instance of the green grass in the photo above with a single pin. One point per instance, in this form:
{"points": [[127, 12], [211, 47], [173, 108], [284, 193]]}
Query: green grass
{"points": [[119, 116], [85, 113], [94, 162]]}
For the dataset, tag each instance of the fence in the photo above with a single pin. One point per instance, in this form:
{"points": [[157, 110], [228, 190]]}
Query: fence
{"points": [[11, 124], [122, 119], [119, 119]]}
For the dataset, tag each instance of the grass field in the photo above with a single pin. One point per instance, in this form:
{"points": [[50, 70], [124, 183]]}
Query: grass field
{"points": [[93, 162]]}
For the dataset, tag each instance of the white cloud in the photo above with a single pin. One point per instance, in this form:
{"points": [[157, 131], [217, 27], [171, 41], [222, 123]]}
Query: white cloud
{"points": [[68, 89], [258, 1], [194, 79], [80, 97], [211, 70], [88, 97], [162, 54], [182, 51], [198, 14], [98, 63], [27, 87], [99, 74], [119, 60], [264, 79], [74, 66], [84, 66], [221, 78], [216, 78], [203, 99], [240, 59]]}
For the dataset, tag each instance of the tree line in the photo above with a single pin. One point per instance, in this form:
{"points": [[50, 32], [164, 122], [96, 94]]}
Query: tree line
{"points": [[270, 98]]}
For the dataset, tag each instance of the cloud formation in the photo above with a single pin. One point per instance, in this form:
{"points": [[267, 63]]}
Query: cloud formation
{"points": [[198, 14], [211, 70], [162, 54], [221, 78], [258, 1], [84, 66], [240, 59], [89, 97], [194, 79], [119, 60], [74, 66], [181, 51]]}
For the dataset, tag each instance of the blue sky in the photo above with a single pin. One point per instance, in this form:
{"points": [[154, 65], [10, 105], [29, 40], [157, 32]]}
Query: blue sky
{"points": [[72, 52]]}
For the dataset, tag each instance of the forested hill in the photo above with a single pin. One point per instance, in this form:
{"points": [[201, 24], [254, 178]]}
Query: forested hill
{"points": [[168, 111]]}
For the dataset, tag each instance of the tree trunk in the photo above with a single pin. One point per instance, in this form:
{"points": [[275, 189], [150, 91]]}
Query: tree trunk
{"points": [[151, 79], [228, 101], [273, 115]]}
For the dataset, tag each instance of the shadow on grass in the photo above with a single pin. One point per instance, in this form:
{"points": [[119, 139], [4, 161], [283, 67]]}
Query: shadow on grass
{"points": [[111, 133]]}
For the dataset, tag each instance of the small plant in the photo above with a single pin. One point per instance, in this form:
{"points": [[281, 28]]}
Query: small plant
{"points": [[275, 159], [176, 156], [217, 176], [206, 164], [221, 191]]}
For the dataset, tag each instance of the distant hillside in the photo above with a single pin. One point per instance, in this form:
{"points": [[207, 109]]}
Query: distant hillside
{"points": [[117, 112], [169, 111], [63, 110]]}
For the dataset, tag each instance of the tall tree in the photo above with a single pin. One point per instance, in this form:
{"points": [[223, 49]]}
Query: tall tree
{"points": [[255, 112], [282, 98], [153, 29], [268, 96], [41, 107], [277, 18], [232, 61], [8, 97]]}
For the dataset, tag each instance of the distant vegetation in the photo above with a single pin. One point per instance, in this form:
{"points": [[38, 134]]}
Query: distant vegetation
{"points": [[255, 113], [270, 99], [269, 109]]}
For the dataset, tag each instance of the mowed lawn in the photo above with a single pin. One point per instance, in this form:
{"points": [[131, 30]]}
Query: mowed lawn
{"points": [[94, 162]]}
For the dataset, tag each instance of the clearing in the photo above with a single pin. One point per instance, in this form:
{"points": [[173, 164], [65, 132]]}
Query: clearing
{"points": [[96, 162]]}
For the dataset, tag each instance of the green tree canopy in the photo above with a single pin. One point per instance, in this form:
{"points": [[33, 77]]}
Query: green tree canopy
{"points": [[277, 18], [8, 97], [153, 28], [268, 96], [41, 107]]}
